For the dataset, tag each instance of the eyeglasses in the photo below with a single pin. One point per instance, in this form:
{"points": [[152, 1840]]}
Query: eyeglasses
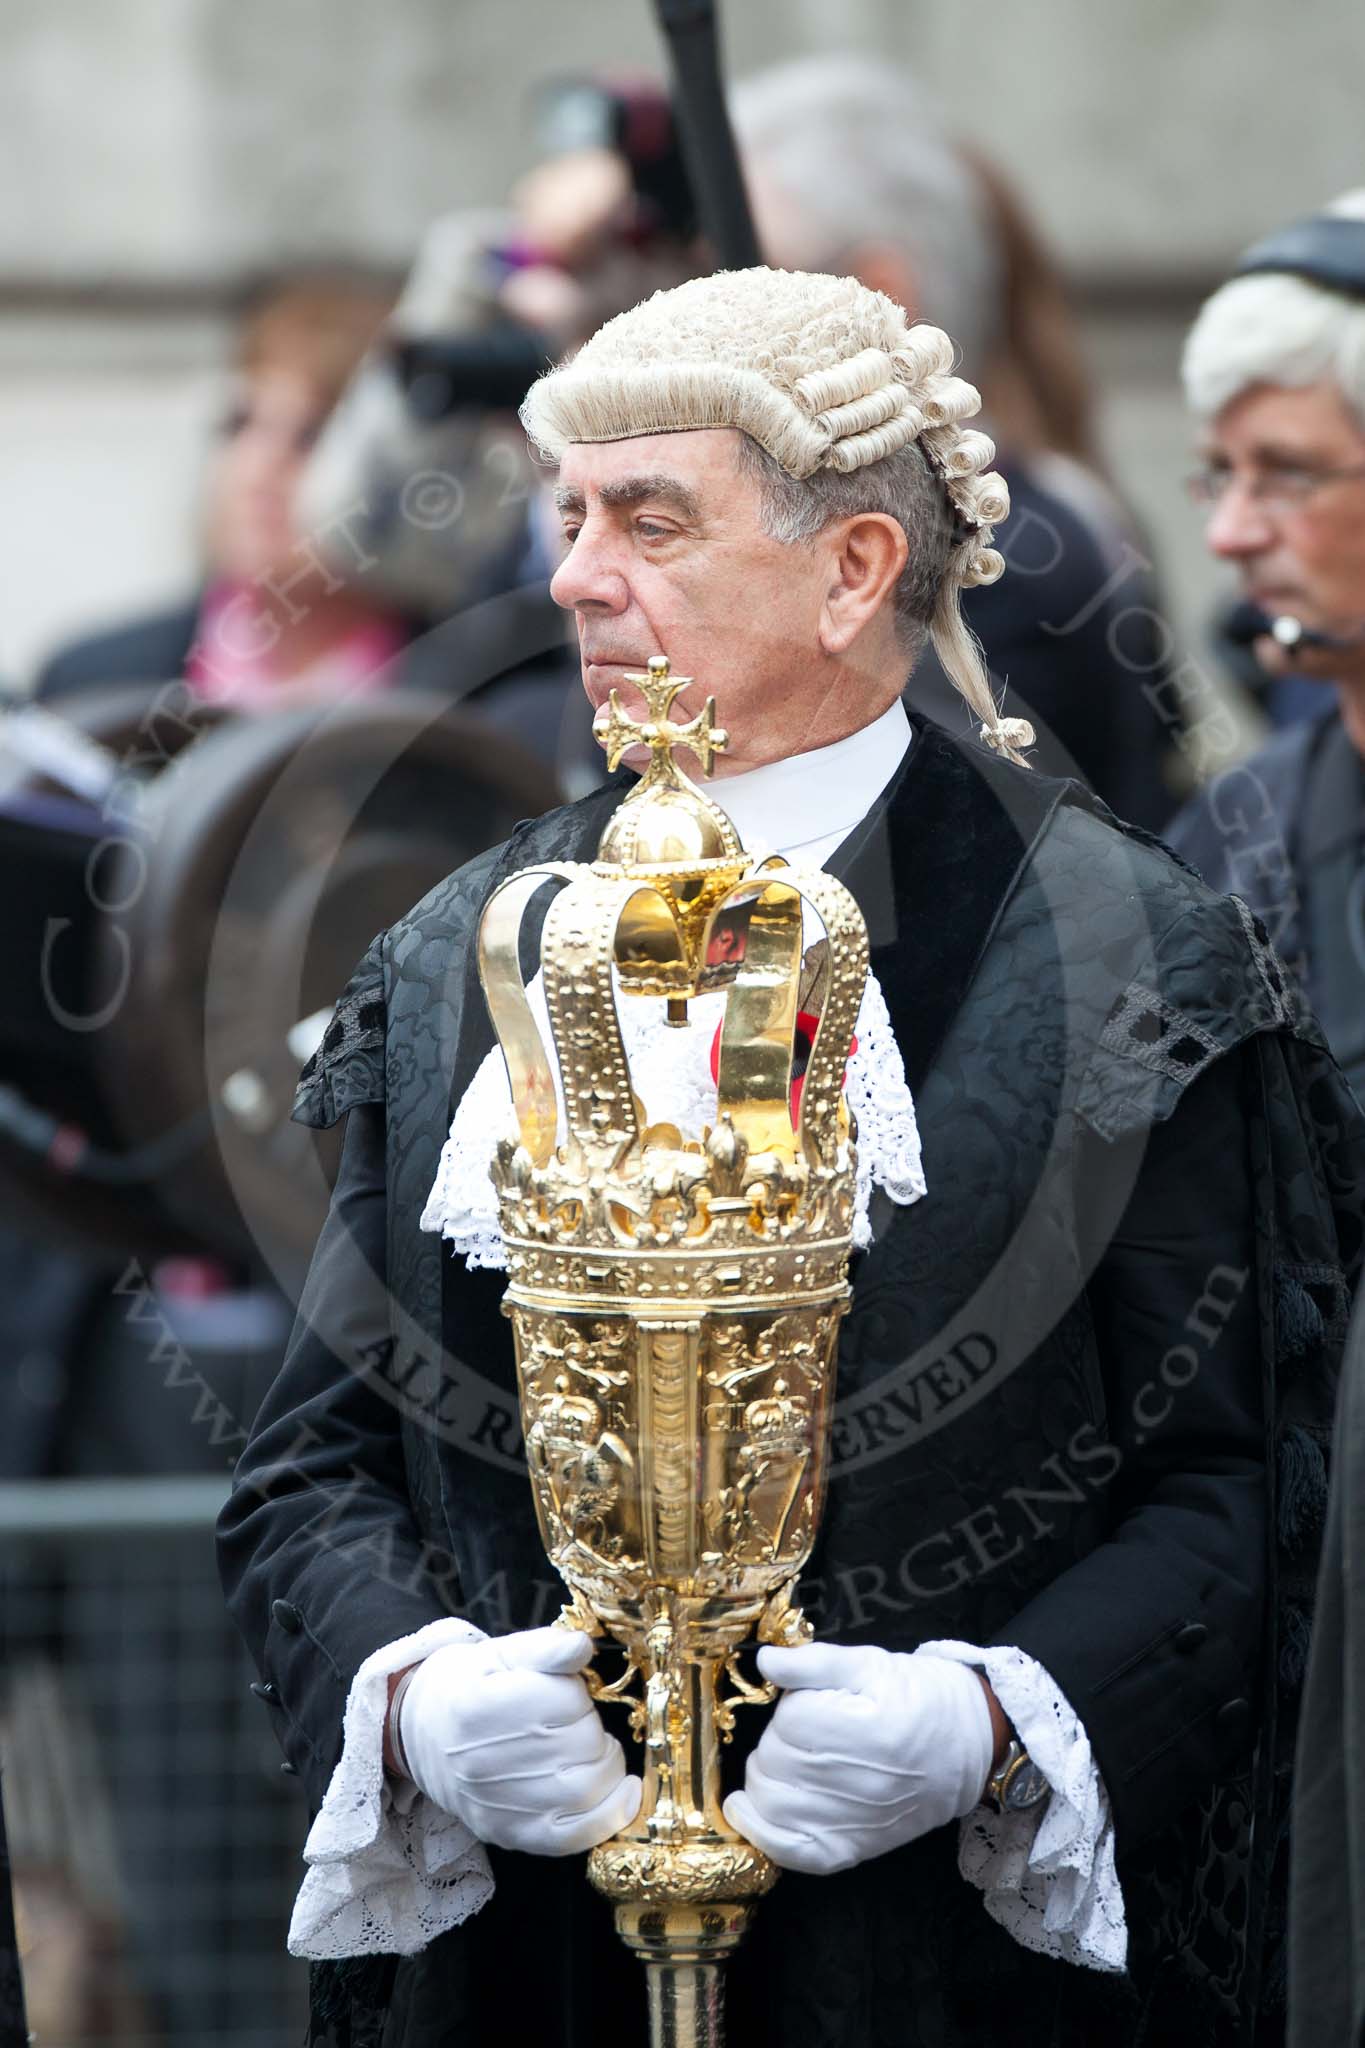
{"points": [[1279, 489]]}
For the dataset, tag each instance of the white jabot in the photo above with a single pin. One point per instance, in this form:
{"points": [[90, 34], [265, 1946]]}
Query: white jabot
{"points": [[808, 804]]}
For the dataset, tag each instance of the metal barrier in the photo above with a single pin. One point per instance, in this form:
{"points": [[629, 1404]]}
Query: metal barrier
{"points": [[154, 1839]]}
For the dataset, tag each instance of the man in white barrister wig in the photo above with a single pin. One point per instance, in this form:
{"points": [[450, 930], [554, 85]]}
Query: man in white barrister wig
{"points": [[1028, 1785]]}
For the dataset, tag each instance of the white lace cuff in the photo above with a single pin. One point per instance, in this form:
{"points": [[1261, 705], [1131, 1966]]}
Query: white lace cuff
{"points": [[387, 1869], [1048, 1874]]}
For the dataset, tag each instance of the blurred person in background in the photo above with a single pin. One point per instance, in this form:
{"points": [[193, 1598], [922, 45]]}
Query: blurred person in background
{"points": [[850, 169], [272, 625], [271, 628], [1041, 398], [112, 1367], [453, 515], [1034, 377], [1274, 371]]}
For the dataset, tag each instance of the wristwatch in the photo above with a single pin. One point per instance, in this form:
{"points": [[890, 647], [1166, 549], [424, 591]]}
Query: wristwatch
{"points": [[1018, 1784]]}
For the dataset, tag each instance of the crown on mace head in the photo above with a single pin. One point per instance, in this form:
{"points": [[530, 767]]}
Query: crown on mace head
{"points": [[641, 920]]}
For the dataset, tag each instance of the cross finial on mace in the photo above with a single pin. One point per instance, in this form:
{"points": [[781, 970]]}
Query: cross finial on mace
{"points": [[619, 730]]}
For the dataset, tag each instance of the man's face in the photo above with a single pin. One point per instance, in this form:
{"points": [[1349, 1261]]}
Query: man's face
{"points": [[1286, 517], [666, 555]]}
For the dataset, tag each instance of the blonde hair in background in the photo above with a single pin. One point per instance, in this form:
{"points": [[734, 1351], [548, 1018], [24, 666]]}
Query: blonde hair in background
{"points": [[316, 325]]}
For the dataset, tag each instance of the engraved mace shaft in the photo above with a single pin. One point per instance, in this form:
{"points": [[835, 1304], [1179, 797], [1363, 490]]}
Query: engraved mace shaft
{"points": [[683, 1943]]}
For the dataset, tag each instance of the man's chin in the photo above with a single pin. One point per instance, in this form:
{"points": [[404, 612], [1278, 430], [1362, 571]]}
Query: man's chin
{"points": [[600, 678], [1314, 664]]}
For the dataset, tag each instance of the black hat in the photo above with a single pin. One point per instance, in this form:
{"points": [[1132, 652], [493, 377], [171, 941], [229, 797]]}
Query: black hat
{"points": [[1327, 248]]}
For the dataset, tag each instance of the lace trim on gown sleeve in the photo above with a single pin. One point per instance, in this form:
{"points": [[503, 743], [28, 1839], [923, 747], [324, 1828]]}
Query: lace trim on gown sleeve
{"points": [[1048, 1874], [879, 1097], [387, 1869], [348, 1066]]}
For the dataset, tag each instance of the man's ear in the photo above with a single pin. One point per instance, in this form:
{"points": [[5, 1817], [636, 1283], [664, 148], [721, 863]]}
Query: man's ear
{"points": [[867, 555]]}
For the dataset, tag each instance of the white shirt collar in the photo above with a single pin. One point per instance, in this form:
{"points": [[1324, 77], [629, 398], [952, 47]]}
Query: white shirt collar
{"points": [[807, 805]]}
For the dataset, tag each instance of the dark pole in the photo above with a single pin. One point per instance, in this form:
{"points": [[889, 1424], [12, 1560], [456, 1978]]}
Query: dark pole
{"points": [[13, 2027], [689, 28]]}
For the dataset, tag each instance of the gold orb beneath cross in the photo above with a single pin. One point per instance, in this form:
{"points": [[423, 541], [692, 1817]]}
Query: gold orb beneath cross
{"points": [[665, 819]]}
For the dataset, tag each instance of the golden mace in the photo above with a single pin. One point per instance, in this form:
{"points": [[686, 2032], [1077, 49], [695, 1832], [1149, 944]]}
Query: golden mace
{"points": [[675, 1298]]}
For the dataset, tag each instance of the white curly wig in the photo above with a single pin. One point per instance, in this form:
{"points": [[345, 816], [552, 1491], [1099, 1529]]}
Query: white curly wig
{"points": [[1274, 328], [822, 373]]}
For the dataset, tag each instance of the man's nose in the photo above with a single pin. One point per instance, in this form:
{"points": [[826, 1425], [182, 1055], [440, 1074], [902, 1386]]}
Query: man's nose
{"points": [[590, 575], [1239, 525]]}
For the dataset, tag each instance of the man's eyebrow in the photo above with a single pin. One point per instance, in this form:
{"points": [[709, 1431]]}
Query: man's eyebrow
{"points": [[1270, 454], [658, 489], [1288, 454]]}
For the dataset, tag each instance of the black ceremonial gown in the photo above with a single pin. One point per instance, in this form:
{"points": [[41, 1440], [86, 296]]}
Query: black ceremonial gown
{"points": [[1085, 1389]]}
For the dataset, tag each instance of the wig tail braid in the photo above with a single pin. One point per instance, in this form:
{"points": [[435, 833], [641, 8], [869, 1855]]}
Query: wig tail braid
{"points": [[964, 664]]}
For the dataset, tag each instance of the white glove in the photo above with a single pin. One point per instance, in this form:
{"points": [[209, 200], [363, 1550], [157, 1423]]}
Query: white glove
{"points": [[866, 1750], [503, 1734]]}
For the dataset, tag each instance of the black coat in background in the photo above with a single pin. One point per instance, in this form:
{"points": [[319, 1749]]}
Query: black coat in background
{"points": [[13, 2028], [1076, 644], [1327, 1891], [1084, 1388], [1286, 831]]}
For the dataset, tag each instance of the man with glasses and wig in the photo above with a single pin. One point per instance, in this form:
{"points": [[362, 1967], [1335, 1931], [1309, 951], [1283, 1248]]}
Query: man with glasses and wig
{"points": [[1275, 370]]}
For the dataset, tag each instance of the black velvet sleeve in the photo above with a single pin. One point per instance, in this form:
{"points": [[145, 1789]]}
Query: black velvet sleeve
{"points": [[1155, 1637], [320, 1556]]}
